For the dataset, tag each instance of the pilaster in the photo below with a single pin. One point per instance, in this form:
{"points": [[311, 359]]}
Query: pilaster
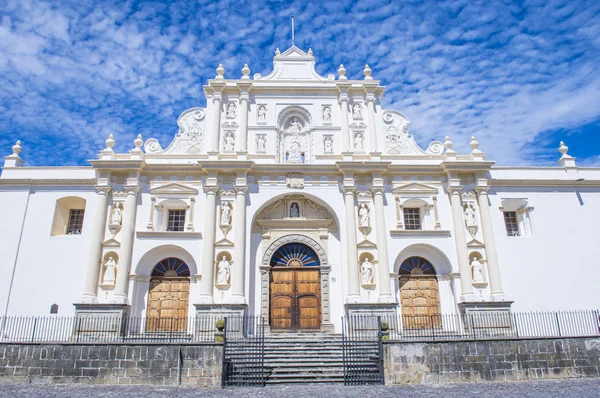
{"points": [[208, 249], [239, 249], [466, 280]]}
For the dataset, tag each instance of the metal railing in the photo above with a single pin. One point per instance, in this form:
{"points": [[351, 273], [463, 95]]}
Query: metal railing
{"points": [[362, 350], [108, 329], [243, 351], [493, 324]]}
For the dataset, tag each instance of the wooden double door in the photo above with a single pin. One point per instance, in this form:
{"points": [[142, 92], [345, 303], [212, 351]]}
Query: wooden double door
{"points": [[295, 300], [420, 301], [168, 305]]}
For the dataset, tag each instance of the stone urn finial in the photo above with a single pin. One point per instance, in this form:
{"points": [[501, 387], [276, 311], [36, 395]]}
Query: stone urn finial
{"points": [[342, 72], [563, 149], [367, 72], [110, 143], [220, 72], [245, 72], [17, 148]]}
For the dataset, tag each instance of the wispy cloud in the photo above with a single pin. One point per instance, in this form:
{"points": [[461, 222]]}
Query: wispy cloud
{"points": [[508, 73]]}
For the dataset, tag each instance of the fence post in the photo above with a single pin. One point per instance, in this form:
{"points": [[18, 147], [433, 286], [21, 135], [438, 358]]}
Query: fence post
{"points": [[473, 326], [34, 326], [78, 329], [224, 367], [558, 323]]}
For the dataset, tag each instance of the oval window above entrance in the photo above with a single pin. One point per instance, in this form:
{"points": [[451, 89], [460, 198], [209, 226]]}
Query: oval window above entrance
{"points": [[295, 255]]}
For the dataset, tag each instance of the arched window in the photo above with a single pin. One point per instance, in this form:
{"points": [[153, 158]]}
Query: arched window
{"points": [[54, 309], [416, 266], [68, 216], [171, 267], [295, 255]]}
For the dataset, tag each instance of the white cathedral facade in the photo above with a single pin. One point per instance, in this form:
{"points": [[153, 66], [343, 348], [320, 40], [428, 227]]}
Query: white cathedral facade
{"points": [[296, 197]]}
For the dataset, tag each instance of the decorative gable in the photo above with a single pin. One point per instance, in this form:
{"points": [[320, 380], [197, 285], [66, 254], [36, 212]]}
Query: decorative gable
{"points": [[174, 188], [415, 188]]}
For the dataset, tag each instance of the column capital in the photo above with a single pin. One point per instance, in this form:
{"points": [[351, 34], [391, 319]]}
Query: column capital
{"points": [[370, 97], [482, 186], [217, 97], [131, 189], [349, 190], [211, 189], [240, 189], [244, 90], [103, 190], [377, 189], [454, 189], [343, 98]]}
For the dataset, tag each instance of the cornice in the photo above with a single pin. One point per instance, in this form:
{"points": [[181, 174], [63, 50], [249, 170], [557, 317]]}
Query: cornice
{"points": [[466, 166], [130, 165], [226, 165], [551, 183], [47, 181], [362, 166], [420, 233]]}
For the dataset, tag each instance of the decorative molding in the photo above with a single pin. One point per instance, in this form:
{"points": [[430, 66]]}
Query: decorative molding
{"points": [[295, 180], [415, 188], [420, 233], [169, 234], [173, 188]]}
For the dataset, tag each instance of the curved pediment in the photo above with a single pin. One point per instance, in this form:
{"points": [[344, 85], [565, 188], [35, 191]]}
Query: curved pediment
{"points": [[398, 140], [189, 139]]}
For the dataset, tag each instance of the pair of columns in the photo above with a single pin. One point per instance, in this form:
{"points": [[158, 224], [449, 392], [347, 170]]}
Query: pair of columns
{"points": [[383, 279], [238, 271], [464, 266], [347, 139], [93, 268], [241, 140]]}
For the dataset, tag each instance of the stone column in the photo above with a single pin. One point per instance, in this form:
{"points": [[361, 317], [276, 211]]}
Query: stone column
{"points": [[351, 244], [127, 238], [216, 125], [238, 287], [489, 243], [372, 124], [466, 280], [346, 142], [382, 249], [208, 248], [241, 142], [90, 285]]}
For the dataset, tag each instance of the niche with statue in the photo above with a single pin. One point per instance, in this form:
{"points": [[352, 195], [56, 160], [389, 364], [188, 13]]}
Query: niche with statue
{"points": [[223, 270]]}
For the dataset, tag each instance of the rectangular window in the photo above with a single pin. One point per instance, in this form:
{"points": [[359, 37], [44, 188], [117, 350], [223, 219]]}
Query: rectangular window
{"points": [[412, 219], [176, 220], [75, 222], [511, 223]]}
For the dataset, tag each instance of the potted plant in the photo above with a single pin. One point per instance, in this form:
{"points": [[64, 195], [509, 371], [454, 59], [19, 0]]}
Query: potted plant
{"points": [[219, 334], [385, 331]]}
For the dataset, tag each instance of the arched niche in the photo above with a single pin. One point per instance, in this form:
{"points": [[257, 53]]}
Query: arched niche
{"points": [[295, 136], [68, 210]]}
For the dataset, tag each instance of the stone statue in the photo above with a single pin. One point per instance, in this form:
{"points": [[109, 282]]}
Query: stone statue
{"points": [[477, 274], [109, 273], [363, 215], [116, 216], [470, 216], [295, 125], [231, 110], [328, 145], [229, 142], [262, 114], [261, 141], [327, 114], [357, 111], [295, 153], [366, 269], [223, 271], [225, 213], [358, 142], [294, 210]]}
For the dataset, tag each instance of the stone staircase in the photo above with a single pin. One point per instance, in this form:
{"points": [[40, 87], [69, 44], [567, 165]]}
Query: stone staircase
{"points": [[303, 358]]}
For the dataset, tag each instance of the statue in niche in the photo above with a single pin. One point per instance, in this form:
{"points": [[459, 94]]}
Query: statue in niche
{"points": [[109, 273], [223, 271], [295, 153], [261, 141], [262, 114], [231, 110], [328, 145], [358, 142], [229, 142], [327, 114], [295, 125], [357, 111], [116, 216], [470, 215], [477, 274], [294, 210], [225, 213], [363, 215], [366, 269]]}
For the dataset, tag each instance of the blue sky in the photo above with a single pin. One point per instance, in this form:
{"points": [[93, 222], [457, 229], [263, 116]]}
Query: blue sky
{"points": [[519, 76]]}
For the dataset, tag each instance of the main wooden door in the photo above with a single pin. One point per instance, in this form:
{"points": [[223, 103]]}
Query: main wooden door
{"points": [[295, 300], [168, 305], [419, 295]]}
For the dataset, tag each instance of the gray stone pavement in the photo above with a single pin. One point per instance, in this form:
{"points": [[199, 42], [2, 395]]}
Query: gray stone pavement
{"points": [[543, 388]]}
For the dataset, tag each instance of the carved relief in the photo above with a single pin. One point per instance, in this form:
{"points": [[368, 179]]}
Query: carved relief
{"points": [[294, 139], [326, 114], [261, 114], [295, 180], [328, 144], [357, 111], [307, 209], [231, 111], [261, 143]]}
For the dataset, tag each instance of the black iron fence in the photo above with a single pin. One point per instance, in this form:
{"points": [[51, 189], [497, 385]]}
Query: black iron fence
{"points": [[243, 351], [492, 324], [362, 350]]}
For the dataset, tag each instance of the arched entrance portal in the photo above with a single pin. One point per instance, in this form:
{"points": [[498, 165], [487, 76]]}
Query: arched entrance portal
{"points": [[168, 296], [295, 288], [419, 294]]}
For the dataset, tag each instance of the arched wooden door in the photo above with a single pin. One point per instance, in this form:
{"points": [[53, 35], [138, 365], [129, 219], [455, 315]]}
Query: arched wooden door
{"points": [[295, 289], [419, 296], [168, 297]]}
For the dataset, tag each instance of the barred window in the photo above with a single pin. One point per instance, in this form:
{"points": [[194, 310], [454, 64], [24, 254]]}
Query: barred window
{"points": [[511, 223], [412, 219], [176, 220], [75, 222]]}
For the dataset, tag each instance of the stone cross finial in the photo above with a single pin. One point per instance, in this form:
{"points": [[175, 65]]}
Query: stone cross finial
{"points": [[110, 143], [17, 148], [342, 72], [245, 72], [220, 72], [367, 72]]}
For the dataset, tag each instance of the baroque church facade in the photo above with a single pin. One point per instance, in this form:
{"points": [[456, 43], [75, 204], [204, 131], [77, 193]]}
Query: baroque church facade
{"points": [[296, 197]]}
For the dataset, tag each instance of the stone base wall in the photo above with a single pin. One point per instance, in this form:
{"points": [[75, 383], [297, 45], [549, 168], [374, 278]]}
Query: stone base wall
{"points": [[157, 364], [493, 360]]}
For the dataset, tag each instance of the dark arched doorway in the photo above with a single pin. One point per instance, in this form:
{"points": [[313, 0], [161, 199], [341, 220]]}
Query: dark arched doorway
{"points": [[168, 296], [419, 296], [295, 289]]}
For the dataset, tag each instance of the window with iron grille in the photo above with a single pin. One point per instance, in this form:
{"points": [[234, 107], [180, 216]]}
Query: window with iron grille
{"points": [[176, 220], [75, 222], [412, 218], [511, 223]]}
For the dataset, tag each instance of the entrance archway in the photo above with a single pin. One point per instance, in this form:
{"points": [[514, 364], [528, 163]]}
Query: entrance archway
{"points": [[419, 296], [168, 296], [295, 288]]}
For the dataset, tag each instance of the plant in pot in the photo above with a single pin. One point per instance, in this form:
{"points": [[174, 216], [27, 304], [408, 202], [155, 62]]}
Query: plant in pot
{"points": [[219, 334], [385, 331]]}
